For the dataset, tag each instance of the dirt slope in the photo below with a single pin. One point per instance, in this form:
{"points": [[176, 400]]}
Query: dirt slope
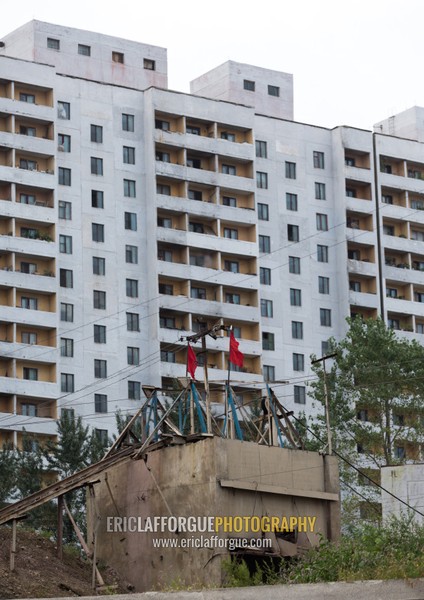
{"points": [[40, 574]]}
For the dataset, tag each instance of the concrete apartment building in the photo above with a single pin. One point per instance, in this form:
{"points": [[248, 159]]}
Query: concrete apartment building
{"points": [[131, 214]]}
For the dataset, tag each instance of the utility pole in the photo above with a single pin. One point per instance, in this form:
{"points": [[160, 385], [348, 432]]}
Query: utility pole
{"points": [[327, 404], [212, 331]]}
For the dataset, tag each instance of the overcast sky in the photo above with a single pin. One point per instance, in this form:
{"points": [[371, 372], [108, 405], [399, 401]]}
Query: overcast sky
{"points": [[354, 63]]}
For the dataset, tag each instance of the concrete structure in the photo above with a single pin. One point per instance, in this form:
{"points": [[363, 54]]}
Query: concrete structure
{"points": [[405, 482], [132, 215], [211, 478]]}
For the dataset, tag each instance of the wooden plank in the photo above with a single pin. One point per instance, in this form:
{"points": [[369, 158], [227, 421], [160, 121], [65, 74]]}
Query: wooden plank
{"points": [[13, 547], [60, 527]]}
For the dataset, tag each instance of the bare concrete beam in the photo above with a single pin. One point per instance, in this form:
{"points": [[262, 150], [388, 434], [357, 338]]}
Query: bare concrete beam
{"points": [[276, 489]]}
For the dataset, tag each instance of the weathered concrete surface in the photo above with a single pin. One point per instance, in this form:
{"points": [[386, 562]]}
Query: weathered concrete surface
{"points": [[359, 590], [212, 477]]}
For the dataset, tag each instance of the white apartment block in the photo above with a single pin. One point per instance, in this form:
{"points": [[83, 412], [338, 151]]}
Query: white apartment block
{"points": [[132, 216]]}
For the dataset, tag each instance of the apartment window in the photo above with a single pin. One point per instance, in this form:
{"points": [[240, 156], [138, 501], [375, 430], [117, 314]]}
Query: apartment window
{"points": [[28, 199], [196, 163], [322, 222], [291, 201], [290, 170], [167, 356], [262, 180], [97, 199], [355, 286], [53, 43], [167, 322], [393, 324], [99, 299], [298, 362], [297, 330], [299, 393], [267, 309], [295, 297], [29, 131], [64, 142], [399, 452], [134, 390], [324, 285], [232, 266], [232, 298], [388, 199], [66, 347], [64, 176], [96, 165], [322, 253], [132, 288], [65, 210], [67, 382], [195, 195], [265, 276], [149, 64], [249, 85], [269, 373], [30, 373], [264, 244], [166, 288], [28, 337], [66, 277], [228, 169], [65, 244], [198, 293], [293, 233], [130, 220], [100, 403], [350, 161], [196, 227], [97, 232], [163, 189], [29, 410], [268, 341], [192, 129], [99, 334], [165, 222], [29, 98], [30, 268], [294, 265], [63, 110], [273, 90], [229, 201], [325, 347], [164, 254], [318, 159], [129, 155], [197, 260], [118, 57], [325, 317], [99, 265], [133, 323], [226, 135], [261, 149], [29, 165], [163, 125], [129, 188], [127, 122], [96, 134], [263, 212], [100, 368], [420, 327], [29, 232], [66, 312], [230, 233], [320, 191], [131, 254], [133, 355], [84, 50]]}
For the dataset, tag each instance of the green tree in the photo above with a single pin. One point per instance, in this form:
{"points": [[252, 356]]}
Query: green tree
{"points": [[376, 390], [8, 466]]}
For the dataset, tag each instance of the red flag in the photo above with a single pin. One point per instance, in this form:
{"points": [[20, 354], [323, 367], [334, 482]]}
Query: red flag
{"points": [[191, 361], [236, 357]]}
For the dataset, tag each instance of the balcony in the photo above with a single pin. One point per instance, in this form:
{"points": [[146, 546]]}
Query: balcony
{"points": [[363, 299], [202, 143], [27, 246], [362, 267], [27, 109], [31, 212], [33, 389], [27, 177], [34, 352], [31, 281], [28, 143], [27, 316], [38, 425]]}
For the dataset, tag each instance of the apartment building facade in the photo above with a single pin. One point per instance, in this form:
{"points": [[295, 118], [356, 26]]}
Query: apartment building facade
{"points": [[132, 216]]}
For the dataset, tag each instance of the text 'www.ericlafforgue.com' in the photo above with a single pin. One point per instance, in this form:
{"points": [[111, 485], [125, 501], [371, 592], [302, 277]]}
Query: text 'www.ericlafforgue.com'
{"points": [[213, 541]]}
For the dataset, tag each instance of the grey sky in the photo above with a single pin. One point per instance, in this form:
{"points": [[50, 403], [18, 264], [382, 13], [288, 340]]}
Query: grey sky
{"points": [[354, 63]]}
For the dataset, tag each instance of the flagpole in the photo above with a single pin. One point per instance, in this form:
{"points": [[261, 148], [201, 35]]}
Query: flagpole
{"points": [[228, 384]]}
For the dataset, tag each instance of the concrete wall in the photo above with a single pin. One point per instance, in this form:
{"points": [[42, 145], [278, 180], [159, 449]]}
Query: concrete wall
{"points": [[407, 483], [210, 478]]}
